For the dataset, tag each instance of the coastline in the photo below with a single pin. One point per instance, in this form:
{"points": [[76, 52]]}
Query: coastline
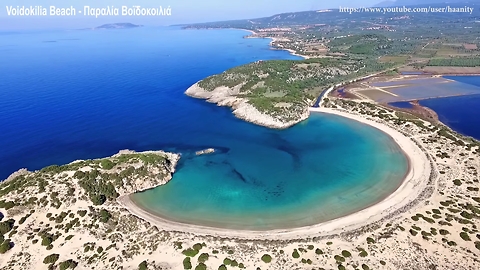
{"points": [[411, 187], [225, 96]]}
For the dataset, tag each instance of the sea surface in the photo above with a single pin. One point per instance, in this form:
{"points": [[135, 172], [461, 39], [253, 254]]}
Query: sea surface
{"points": [[82, 94], [461, 113]]}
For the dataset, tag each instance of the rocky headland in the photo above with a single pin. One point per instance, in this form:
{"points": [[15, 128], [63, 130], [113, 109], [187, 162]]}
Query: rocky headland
{"points": [[226, 96]]}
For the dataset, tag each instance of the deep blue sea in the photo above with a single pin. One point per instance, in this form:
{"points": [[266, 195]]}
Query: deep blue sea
{"points": [[68, 95], [80, 94], [461, 113]]}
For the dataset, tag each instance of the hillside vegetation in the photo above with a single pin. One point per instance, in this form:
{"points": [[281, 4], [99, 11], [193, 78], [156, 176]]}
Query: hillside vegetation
{"points": [[282, 87]]}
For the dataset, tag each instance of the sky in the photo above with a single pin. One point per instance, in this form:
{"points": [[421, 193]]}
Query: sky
{"points": [[182, 11]]}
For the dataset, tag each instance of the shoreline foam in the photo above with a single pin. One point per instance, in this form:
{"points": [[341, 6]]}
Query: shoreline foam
{"points": [[411, 187]]}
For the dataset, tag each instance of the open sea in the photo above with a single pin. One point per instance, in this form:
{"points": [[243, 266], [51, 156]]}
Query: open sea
{"points": [[82, 94]]}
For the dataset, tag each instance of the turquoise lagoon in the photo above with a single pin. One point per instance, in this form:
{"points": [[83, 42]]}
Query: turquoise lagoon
{"points": [[324, 168]]}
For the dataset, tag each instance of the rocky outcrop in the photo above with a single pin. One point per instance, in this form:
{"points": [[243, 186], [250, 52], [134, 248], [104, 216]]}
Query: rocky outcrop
{"points": [[205, 151], [158, 174], [225, 96], [22, 171]]}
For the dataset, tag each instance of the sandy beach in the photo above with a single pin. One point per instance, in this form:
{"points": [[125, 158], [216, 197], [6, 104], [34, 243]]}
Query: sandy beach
{"points": [[412, 186]]}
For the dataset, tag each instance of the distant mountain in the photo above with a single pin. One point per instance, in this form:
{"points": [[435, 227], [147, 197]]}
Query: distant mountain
{"points": [[417, 2], [118, 26]]}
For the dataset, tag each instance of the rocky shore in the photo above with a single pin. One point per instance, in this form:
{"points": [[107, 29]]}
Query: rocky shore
{"points": [[226, 96]]}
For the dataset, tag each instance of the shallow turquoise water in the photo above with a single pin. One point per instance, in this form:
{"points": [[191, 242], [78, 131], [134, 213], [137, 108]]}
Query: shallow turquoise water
{"points": [[322, 169]]}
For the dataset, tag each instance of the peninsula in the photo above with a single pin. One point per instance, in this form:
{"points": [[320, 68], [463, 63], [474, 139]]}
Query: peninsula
{"points": [[277, 94]]}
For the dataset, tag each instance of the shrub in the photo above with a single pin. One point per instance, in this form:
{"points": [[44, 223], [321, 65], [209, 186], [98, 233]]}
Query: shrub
{"points": [[203, 257], [51, 259], [6, 226], [466, 215], [346, 254], [186, 263], [142, 266], [22, 220], [5, 246], [465, 236], [190, 252], [444, 232], [201, 266], [318, 251], [98, 199], [339, 258], [107, 164], [68, 264], [370, 240], [363, 253], [227, 261], [105, 216], [197, 246], [46, 241], [266, 258], [82, 213], [295, 254], [429, 220], [222, 267]]}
